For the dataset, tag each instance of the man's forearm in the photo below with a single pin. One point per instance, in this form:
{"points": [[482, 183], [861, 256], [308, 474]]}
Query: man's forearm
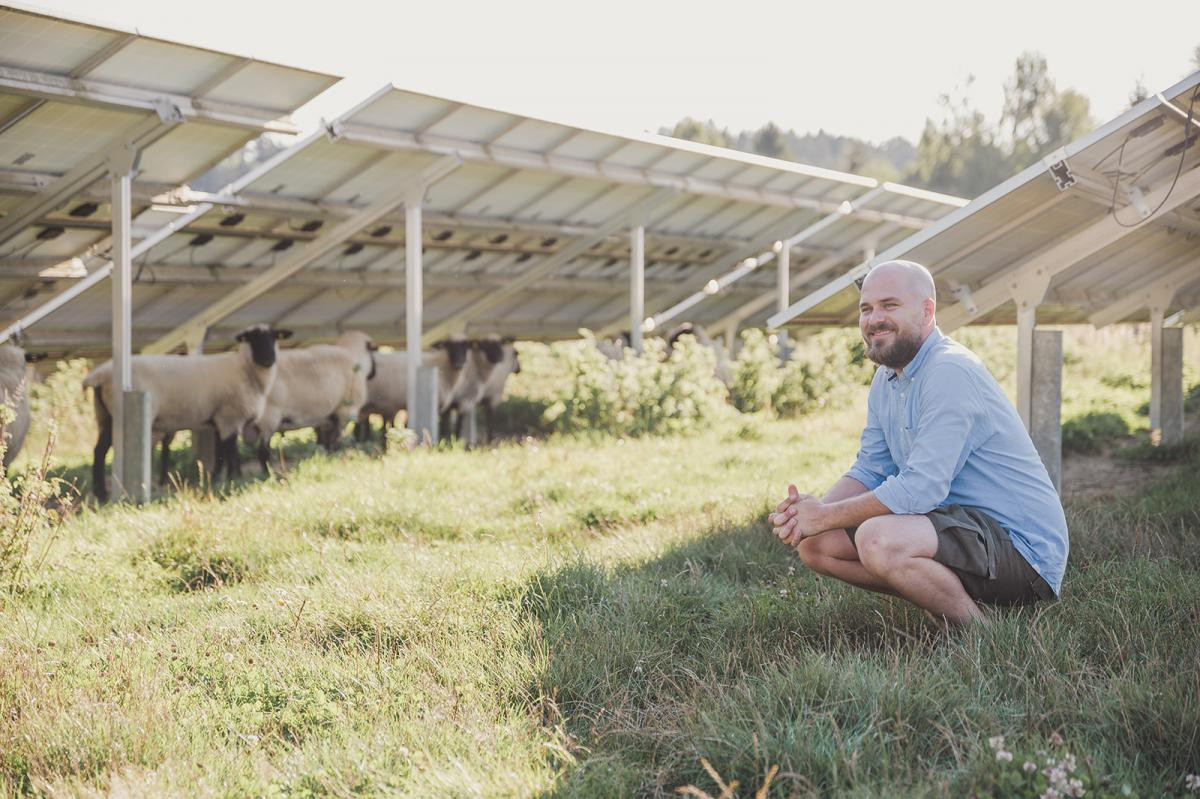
{"points": [[844, 488], [849, 511]]}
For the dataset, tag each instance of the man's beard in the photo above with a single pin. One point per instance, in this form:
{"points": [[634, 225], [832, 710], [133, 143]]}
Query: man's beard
{"points": [[894, 354]]}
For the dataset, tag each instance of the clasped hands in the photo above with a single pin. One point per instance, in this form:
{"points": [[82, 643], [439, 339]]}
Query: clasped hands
{"points": [[797, 517]]}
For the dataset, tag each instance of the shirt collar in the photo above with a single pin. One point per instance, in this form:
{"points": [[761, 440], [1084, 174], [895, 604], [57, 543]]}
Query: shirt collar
{"points": [[930, 342]]}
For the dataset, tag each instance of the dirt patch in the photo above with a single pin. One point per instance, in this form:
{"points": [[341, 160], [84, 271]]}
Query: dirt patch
{"points": [[1092, 476]]}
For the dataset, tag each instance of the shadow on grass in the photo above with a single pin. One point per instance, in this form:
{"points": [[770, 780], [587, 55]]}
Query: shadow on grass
{"points": [[727, 648], [185, 469]]}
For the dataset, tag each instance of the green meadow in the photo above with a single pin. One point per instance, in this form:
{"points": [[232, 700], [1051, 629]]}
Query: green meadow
{"points": [[573, 614]]}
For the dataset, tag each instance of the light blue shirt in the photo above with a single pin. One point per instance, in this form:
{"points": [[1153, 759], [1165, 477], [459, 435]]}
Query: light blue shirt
{"points": [[942, 432]]}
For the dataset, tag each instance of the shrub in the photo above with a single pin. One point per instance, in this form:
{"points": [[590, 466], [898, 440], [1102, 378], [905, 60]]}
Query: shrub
{"points": [[1091, 431], [646, 394], [27, 514], [59, 401], [756, 373]]}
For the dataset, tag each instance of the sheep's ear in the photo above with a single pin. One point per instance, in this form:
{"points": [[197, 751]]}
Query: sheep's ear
{"points": [[507, 340], [439, 345], [33, 357], [372, 346], [282, 333], [240, 337]]}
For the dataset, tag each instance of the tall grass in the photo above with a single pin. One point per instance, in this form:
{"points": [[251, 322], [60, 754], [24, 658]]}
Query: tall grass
{"points": [[579, 617]]}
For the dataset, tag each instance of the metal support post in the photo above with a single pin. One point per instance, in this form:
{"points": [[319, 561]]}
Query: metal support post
{"points": [[637, 286], [1045, 426], [423, 419], [122, 163]]}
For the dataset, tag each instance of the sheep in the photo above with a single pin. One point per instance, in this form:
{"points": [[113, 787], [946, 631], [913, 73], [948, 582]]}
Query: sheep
{"points": [[321, 386], [387, 393], [485, 357], [226, 391], [14, 392], [724, 368], [493, 389]]}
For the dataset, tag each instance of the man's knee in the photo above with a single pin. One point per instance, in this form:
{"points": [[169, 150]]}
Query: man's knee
{"points": [[810, 552], [817, 550], [880, 544]]}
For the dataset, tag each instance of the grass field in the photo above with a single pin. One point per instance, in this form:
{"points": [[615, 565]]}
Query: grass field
{"points": [[580, 617]]}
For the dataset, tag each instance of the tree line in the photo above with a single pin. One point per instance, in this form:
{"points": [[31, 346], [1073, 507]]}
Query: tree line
{"points": [[961, 151]]}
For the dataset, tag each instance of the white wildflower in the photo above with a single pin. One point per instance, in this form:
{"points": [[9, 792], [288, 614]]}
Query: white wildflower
{"points": [[1050, 794], [1030, 766], [1193, 782], [1004, 756], [1076, 788], [1068, 762], [1056, 739], [663, 582], [228, 657], [996, 742]]}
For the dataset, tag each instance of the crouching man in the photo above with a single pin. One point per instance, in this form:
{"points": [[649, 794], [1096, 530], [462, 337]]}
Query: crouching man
{"points": [[948, 504]]}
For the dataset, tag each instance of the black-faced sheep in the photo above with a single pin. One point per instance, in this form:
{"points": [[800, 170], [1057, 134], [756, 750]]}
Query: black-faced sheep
{"points": [[387, 392], [226, 391], [322, 386], [493, 389]]}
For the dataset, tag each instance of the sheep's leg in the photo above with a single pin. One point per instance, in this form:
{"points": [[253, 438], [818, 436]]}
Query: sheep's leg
{"points": [[99, 487], [220, 461], [165, 461], [362, 428], [234, 466], [445, 423], [459, 422], [489, 418], [264, 453]]}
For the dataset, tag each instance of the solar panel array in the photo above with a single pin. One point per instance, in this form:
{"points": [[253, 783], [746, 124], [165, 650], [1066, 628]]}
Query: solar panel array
{"points": [[1111, 221], [497, 230]]}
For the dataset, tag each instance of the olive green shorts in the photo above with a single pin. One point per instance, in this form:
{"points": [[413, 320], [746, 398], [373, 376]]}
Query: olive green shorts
{"points": [[981, 554]]}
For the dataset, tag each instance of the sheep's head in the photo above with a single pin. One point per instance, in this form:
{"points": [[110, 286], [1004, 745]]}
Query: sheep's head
{"points": [[510, 346], [491, 346], [356, 340], [261, 340], [456, 349]]}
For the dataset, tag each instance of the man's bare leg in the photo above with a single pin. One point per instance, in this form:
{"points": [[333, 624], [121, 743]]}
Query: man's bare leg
{"points": [[899, 551], [832, 554]]}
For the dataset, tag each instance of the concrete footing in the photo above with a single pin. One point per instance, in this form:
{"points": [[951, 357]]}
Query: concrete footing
{"points": [[1166, 385], [424, 417], [1045, 423], [137, 449]]}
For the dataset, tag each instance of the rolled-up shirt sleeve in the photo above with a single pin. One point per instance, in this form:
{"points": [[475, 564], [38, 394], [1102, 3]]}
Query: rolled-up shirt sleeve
{"points": [[874, 463], [943, 421]]}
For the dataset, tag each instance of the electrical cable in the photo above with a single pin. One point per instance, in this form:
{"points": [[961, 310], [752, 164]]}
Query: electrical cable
{"points": [[1188, 138]]}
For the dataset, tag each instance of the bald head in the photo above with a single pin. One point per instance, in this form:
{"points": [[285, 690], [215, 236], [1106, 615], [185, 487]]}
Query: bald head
{"points": [[907, 279], [896, 311]]}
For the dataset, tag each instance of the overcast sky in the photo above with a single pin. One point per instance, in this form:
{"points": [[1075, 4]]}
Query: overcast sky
{"points": [[867, 69]]}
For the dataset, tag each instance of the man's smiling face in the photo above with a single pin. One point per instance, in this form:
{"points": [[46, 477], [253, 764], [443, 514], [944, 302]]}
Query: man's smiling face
{"points": [[895, 315]]}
